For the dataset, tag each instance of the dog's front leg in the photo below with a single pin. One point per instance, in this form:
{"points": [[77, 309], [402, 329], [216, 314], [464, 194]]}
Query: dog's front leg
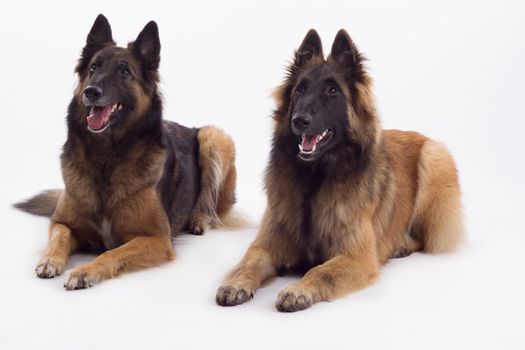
{"points": [[138, 253], [61, 244], [354, 268], [258, 264], [335, 278], [254, 268]]}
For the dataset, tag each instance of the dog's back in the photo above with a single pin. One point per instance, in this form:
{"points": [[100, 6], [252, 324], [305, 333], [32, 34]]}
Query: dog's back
{"points": [[180, 184], [420, 207]]}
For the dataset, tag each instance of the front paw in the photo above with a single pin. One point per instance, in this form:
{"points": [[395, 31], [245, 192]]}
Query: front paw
{"points": [[50, 267], [293, 299], [229, 295], [81, 278]]}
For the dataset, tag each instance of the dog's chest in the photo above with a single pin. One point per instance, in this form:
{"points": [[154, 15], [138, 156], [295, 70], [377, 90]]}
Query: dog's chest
{"points": [[324, 229], [98, 184], [309, 245], [104, 230]]}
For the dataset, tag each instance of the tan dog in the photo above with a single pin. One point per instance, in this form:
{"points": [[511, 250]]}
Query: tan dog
{"points": [[344, 196]]}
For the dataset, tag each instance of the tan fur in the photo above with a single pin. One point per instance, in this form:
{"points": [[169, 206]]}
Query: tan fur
{"points": [[405, 198], [61, 244], [419, 208], [134, 225], [133, 212], [438, 209], [140, 252], [217, 164]]}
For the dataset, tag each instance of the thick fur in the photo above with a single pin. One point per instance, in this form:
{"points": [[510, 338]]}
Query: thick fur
{"points": [[135, 184], [368, 196], [43, 204]]}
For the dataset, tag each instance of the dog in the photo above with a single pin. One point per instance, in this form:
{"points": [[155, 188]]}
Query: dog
{"points": [[132, 180], [344, 196]]}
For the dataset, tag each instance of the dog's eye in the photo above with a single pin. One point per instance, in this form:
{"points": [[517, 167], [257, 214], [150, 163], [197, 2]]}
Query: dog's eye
{"points": [[301, 88], [332, 90], [124, 73], [93, 67]]}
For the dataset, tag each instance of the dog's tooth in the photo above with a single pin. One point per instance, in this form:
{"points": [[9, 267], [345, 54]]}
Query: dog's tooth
{"points": [[313, 149], [300, 147]]}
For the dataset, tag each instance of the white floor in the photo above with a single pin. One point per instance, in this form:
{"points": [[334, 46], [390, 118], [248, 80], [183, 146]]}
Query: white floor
{"points": [[470, 299]]}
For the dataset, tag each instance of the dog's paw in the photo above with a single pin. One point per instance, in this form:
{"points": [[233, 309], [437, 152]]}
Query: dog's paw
{"points": [[81, 278], [195, 229], [198, 223], [49, 267], [229, 295], [293, 299]]}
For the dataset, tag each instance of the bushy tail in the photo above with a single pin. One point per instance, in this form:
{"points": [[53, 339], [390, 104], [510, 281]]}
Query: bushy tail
{"points": [[218, 180], [438, 209], [43, 204], [235, 219]]}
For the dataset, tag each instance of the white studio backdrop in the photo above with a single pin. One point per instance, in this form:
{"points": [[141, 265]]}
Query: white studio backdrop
{"points": [[452, 70]]}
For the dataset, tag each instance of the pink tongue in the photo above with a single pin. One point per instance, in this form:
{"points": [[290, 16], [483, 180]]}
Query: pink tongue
{"points": [[98, 117], [309, 142]]}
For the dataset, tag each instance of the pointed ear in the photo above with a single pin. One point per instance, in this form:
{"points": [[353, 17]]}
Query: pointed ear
{"points": [[345, 52], [310, 48], [98, 37], [147, 46]]}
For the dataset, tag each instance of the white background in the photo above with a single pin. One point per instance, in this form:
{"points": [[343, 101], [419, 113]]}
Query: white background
{"points": [[453, 70]]}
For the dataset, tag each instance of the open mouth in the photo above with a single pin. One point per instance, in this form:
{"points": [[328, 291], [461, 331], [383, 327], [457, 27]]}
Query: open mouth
{"points": [[99, 116], [311, 143]]}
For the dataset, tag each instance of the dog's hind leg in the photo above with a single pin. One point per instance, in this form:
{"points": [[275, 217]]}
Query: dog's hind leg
{"points": [[218, 177], [61, 245], [438, 217]]}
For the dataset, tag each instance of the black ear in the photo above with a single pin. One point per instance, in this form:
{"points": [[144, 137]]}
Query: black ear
{"points": [[310, 48], [147, 46], [345, 52], [98, 37]]}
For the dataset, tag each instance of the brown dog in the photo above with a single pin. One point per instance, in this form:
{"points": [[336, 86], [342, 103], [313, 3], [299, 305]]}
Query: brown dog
{"points": [[352, 196], [131, 179]]}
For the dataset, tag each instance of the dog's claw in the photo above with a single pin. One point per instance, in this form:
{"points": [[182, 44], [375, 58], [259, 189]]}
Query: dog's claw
{"points": [[49, 268], [231, 296], [80, 280], [291, 301]]}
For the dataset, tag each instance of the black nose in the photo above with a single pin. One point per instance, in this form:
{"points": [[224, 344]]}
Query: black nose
{"points": [[93, 93], [302, 121]]}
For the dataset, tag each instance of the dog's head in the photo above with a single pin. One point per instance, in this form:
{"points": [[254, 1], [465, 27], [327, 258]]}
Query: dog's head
{"points": [[116, 85], [327, 105]]}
